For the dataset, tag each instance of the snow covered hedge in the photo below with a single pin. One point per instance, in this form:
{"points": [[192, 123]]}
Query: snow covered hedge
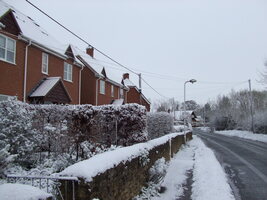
{"points": [[159, 124], [30, 133]]}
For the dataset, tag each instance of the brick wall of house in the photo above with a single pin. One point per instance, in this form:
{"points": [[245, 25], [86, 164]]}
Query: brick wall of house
{"points": [[107, 98], [88, 89], [55, 69], [12, 75], [133, 96]]}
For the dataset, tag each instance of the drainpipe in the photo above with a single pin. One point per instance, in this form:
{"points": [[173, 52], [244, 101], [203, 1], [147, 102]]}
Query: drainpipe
{"points": [[96, 91], [126, 95], [25, 71], [80, 84]]}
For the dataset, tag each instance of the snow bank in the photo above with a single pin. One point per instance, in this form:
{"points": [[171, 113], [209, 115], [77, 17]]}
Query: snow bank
{"points": [[244, 134], [210, 181], [21, 192], [98, 164]]}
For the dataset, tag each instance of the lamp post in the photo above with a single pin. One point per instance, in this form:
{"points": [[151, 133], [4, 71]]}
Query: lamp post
{"points": [[190, 81]]}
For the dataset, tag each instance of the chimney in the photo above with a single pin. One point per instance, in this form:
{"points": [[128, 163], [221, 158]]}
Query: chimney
{"points": [[90, 51], [125, 76]]}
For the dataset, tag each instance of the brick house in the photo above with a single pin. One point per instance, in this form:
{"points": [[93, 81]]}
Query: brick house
{"points": [[35, 68], [99, 85], [32, 66], [134, 95]]}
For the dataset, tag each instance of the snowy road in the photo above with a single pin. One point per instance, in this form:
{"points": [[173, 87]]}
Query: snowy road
{"points": [[245, 162]]}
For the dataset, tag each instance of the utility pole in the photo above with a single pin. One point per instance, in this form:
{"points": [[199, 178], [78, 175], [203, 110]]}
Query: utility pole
{"points": [[140, 87], [204, 113], [251, 106]]}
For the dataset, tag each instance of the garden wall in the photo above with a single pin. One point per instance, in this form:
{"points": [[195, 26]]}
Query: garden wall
{"points": [[121, 179]]}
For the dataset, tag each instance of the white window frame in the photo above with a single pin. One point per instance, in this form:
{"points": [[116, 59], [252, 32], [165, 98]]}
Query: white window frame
{"points": [[67, 72], [102, 87], [45, 61], [6, 50], [112, 91]]}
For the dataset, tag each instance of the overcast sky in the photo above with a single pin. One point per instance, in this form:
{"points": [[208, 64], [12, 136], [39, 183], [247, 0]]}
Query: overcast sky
{"points": [[220, 43]]}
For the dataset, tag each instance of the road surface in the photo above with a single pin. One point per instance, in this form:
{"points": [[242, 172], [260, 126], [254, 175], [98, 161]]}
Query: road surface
{"points": [[245, 162]]}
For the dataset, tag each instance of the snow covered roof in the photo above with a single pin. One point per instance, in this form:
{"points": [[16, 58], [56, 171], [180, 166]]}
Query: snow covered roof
{"points": [[97, 66], [32, 31], [45, 87], [10, 191]]}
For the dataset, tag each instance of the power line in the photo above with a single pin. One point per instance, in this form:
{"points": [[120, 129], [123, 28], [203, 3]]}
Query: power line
{"points": [[104, 54], [154, 89]]}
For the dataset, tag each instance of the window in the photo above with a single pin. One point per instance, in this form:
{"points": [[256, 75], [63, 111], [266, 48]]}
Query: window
{"points": [[7, 49], [112, 90], [121, 93], [45, 63], [67, 71], [102, 87]]}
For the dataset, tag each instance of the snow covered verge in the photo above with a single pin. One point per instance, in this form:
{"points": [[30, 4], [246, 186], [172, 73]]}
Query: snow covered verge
{"points": [[197, 162], [21, 192], [244, 134]]}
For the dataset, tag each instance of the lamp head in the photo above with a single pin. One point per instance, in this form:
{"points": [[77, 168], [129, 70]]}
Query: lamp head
{"points": [[192, 81]]}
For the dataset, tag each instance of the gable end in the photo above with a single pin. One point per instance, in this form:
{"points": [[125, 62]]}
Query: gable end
{"points": [[11, 25]]}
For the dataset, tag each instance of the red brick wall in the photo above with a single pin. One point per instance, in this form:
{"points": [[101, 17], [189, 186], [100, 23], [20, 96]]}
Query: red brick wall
{"points": [[133, 96], [11, 75], [88, 87], [107, 98], [55, 69]]}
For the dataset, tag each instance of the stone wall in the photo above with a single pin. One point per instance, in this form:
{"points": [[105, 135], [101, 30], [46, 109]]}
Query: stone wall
{"points": [[125, 180]]}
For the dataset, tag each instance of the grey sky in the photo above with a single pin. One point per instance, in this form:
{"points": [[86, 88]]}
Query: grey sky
{"points": [[221, 43]]}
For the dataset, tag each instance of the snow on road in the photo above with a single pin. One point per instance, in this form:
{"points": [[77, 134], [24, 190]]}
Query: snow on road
{"points": [[244, 134], [209, 178]]}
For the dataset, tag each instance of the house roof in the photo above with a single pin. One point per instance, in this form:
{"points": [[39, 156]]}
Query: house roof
{"points": [[97, 66], [45, 86], [31, 30]]}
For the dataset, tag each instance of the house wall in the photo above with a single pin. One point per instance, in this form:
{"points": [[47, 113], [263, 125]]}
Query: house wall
{"points": [[55, 69], [107, 98], [133, 96], [88, 89], [12, 76]]}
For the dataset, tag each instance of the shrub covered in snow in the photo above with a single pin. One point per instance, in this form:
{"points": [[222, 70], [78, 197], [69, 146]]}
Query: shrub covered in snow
{"points": [[158, 124], [58, 135]]}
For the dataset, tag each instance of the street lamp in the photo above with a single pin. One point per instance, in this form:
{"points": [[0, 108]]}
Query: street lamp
{"points": [[190, 81]]}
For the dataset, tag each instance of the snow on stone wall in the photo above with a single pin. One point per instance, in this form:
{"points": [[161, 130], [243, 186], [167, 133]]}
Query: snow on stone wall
{"points": [[120, 174]]}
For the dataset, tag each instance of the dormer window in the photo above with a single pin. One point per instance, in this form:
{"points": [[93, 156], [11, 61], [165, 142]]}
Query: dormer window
{"points": [[7, 49]]}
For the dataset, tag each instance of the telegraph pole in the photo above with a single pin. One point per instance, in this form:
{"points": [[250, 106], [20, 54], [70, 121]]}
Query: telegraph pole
{"points": [[251, 106], [140, 87]]}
